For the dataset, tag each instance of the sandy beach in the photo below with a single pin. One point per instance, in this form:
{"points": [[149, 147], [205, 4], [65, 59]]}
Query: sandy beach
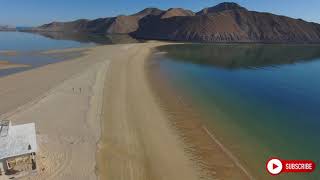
{"points": [[137, 141], [97, 118], [63, 100], [140, 139]]}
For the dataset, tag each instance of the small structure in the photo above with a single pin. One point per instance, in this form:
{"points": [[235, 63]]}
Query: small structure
{"points": [[18, 147]]}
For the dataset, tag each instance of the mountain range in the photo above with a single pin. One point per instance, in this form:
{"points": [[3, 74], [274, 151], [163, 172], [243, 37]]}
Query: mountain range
{"points": [[225, 22]]}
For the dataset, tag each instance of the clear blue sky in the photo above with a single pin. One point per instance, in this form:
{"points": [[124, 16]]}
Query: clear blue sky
{"points": [[36, 12]]}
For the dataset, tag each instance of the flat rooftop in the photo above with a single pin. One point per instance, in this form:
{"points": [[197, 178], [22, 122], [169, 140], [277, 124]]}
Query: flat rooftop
{"points": [[17, 140]]}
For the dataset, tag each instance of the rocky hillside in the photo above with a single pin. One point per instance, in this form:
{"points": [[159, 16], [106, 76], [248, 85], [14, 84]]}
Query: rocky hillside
{"points": [[220, 7], [225, 22], [176, 12], [113, 25]]}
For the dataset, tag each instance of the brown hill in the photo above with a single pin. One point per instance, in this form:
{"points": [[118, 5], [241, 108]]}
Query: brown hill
{"points": [[176, 12], [237, 25], [82, 25], [113, 25], [128, 24], [221, 7], [226, 22]]}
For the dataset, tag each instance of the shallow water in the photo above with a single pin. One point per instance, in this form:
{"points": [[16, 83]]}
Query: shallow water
{"points": [[25, 48], [21, 41], [261, 101]]}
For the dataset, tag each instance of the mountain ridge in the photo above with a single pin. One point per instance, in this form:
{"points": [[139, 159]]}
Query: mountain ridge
{"points": [[225, 22], [220, 7]]}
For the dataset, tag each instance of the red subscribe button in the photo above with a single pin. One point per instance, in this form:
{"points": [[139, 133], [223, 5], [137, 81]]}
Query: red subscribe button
{"points": [[276, 166]]}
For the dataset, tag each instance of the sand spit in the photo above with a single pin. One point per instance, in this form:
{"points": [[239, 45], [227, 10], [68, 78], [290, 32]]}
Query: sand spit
{"points": [[97, 115], [137, 141], [8, 65], [8, 53]]}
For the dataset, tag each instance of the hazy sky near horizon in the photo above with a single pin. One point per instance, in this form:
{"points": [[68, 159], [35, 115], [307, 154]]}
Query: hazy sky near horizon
{"points": [[37, 12]]}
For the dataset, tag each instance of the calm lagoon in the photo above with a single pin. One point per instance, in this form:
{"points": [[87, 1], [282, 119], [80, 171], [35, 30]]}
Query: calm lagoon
{"points": [[26, 48], [260, 101]]}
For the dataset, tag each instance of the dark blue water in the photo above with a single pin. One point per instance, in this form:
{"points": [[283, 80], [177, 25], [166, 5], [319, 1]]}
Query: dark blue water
{"points": [[261, 101]]}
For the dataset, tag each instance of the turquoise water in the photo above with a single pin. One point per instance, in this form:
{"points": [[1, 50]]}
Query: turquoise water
{"points": [[261, 101]]}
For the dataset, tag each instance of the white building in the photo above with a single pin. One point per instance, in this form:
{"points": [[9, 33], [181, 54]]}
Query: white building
{"points": [[18, 147]]}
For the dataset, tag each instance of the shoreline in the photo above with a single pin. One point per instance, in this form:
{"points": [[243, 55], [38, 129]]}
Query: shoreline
{"points": [[7, 65], [138, 123], [117, 119], [201, 144], [137, 141], [63, 100], [27, 60]]}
